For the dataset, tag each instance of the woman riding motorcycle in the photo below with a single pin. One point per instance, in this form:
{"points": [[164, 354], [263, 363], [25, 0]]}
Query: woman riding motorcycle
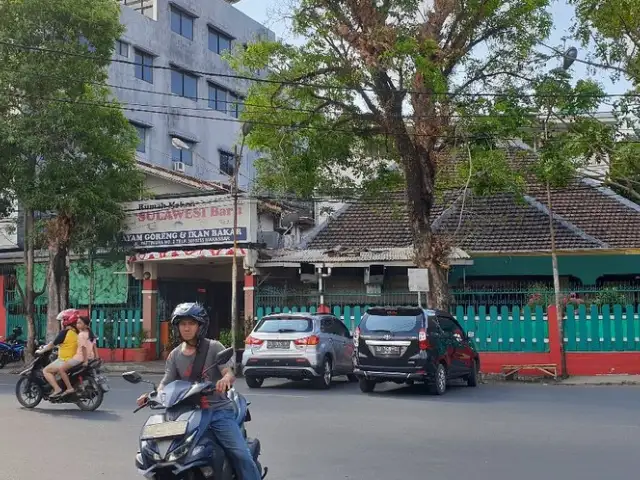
{"points": [[190, 322]]}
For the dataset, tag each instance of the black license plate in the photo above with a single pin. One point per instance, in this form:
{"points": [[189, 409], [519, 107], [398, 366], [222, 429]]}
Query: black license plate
{"points": [[278, 344], [387, 350]]}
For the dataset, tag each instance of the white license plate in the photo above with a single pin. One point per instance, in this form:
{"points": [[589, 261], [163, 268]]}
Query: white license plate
{"points": [[387, 350], [164, 430], [285, 344]]}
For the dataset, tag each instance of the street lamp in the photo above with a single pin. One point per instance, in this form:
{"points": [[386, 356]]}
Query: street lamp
{"points": [[235, 327]]}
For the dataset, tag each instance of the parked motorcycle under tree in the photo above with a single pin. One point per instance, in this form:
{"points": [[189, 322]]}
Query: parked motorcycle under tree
{"points": [[164, 430]]}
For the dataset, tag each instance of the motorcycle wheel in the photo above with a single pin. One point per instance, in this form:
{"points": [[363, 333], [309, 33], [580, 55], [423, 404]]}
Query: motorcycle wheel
{"points": [[95, 396], [29, 394]]}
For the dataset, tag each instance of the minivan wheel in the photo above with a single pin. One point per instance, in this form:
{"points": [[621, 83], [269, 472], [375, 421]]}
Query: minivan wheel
{"points": [[366, 386], [324, 380], [472, 378], [440, 381], [254, 382]]}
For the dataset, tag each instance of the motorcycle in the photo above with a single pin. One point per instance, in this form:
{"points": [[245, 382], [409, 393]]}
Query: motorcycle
{"points": [[12, 348], [177, 444], [89, 384]]}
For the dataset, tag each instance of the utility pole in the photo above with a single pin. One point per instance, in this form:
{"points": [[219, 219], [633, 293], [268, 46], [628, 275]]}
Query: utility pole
{"points": [[236, 333], [235, 330]]}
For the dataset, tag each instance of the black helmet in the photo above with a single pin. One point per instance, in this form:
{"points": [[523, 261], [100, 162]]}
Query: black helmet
{"points": [[194, 311]]}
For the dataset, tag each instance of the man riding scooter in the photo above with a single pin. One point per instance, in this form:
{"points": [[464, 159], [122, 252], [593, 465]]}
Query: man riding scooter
{"points": [[190, 322]]}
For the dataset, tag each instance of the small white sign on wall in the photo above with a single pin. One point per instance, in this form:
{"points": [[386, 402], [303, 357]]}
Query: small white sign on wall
{"points": [[418, 279]]}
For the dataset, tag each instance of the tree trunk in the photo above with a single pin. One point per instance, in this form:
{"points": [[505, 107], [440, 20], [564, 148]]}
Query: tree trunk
{"points": [[420, 176], [28, 296], [58, 284], [59, 230]]}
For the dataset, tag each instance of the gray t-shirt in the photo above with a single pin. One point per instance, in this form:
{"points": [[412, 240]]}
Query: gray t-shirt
{"points": [[178, 367]]}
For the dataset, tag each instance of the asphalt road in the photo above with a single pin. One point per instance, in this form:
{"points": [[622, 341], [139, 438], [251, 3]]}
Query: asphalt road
{"points": [[494, 432]]}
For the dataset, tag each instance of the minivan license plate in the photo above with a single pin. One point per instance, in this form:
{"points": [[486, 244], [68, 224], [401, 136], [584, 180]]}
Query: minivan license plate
{"points": [[388, 350], [278, 344]]}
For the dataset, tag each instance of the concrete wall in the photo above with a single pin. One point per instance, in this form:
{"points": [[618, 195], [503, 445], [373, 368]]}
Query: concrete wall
{"points": [[155, 37]]}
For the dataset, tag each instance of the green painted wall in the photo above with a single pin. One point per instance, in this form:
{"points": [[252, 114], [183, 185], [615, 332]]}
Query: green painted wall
{"points": [[585, 267]]}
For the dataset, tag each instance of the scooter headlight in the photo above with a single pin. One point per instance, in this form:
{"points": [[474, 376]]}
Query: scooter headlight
{"points": [[149, 449], [182, 449]]}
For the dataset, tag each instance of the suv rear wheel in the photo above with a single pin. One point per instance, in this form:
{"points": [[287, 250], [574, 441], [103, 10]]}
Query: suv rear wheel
{"points": [[324, 380], [366, 386], [472, 378], [439, 386], [254, 382]]}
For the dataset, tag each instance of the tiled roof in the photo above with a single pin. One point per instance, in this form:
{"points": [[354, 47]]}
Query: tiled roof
{"points": [[585, 217]]}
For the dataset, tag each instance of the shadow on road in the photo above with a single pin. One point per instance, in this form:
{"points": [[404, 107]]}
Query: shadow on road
{"points": [[97, 416], [338, 384]]}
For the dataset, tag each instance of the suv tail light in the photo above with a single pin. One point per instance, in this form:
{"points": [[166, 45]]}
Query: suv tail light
{"points": [[311, 340], [423, 341], [356, 337], [253, 341]]}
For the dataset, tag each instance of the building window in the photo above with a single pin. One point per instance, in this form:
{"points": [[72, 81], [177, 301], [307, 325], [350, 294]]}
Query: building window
{"points": [[145, 7], [225, 101], [218, 98], [142, 135], [219, 42], [184, 155], [184, 84], [182, 23], [227, 163], [122, 48], [236, 105], [143, 66]]}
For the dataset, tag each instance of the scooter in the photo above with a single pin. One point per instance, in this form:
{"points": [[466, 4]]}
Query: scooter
{"points": [[177, 444], [89, 384], [12, 348]]}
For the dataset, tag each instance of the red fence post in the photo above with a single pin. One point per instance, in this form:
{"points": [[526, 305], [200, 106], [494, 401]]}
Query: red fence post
{"points": [[555, 342]]}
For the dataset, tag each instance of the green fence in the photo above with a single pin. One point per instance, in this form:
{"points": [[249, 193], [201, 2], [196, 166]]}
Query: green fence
{"points": [[508, 329], [118, 313], [117, 328], [609, 328]]}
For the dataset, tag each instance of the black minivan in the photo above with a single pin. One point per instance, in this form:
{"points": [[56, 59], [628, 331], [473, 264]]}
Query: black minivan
{"points": [[409, 344]]}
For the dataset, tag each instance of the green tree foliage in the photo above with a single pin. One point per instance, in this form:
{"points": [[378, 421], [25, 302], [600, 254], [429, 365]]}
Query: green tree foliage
{"points": [[456, 79], [67, 150], [612, 29]]}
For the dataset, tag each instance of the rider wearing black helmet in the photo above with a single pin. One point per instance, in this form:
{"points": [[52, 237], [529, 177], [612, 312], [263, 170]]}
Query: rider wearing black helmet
{"points": [[190, 322]]}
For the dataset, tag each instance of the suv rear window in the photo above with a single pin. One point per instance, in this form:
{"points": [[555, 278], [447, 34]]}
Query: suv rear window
{"points": [[394, 321], [284, 325]]}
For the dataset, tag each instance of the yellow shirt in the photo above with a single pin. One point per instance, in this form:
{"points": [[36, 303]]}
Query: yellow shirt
{"points": [[67, 341]]}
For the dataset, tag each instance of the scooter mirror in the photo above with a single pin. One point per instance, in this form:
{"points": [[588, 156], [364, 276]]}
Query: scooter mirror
{"points": [[132, 377]]}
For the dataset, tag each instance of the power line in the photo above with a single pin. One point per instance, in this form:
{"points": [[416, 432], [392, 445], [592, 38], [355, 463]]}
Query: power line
{"points": [[263, 123], [294, 83]]}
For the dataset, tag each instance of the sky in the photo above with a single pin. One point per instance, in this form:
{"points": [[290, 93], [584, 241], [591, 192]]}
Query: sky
{"points": [[267, 13]]}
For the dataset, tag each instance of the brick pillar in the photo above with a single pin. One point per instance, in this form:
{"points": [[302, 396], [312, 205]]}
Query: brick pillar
{"points": [[555, 345], [3, 310], [249, 302], [149, 309]]}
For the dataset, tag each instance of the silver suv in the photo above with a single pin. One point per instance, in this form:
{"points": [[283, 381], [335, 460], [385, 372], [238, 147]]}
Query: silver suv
{"points": [[298, 346]]}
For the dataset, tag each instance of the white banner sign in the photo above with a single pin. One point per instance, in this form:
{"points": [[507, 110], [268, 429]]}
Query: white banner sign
{"points": [[189, 221]]}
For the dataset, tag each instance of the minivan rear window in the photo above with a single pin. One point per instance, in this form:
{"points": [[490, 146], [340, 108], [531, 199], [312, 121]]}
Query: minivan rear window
{"points": [[284, 325], [402, 322]]}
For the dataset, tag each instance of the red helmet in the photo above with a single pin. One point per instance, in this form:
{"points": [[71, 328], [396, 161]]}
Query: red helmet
{"points": [[70, 316]]}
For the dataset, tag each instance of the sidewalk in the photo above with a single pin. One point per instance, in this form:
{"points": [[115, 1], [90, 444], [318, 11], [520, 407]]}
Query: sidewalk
{"points": [[602, 380], [149, 368]]}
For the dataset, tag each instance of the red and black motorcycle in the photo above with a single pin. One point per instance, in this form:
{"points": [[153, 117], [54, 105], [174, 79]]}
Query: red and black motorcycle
{"points": [[89, 384]]}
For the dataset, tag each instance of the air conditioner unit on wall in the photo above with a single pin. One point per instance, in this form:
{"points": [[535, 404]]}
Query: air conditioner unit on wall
{"points": [[178, 167], [270, 239]]}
